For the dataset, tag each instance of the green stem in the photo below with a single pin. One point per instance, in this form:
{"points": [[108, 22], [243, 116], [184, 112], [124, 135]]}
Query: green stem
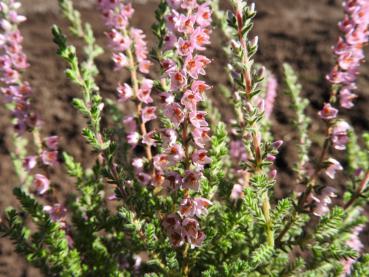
{"points": [[268, 220]]}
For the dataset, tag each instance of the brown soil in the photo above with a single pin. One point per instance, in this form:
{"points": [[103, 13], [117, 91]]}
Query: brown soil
{"points": [[296, 31]]}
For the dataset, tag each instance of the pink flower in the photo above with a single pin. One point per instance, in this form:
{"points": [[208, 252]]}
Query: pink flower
{"points": [[189, 4], [237, 192], [175, 114], [201, 136], [138, 164], [199, 38], [185, 47], [170, 41], [172, 222], [194, 207], [41, 184], [346, 98], [125, 92], [168, 66], [145, 90], [52, 142], [177, 80], [195, 66], [339, 135], [57, 212], [49, 157], [144, 178], [161, 161], [120, 60], [190, 99], [29, 163], [149, 138], [173, 181], [333, 166], [176, 153], [203, 15], [119, 42], [191, 180], [200, 157], [133, 138], [199, 86], [328, 112], [198, 119], [185, 24], [148, 114], [190, 227], [141, 50]]}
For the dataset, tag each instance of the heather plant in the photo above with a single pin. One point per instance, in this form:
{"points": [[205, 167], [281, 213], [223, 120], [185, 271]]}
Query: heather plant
{"points": [[175, 190]]}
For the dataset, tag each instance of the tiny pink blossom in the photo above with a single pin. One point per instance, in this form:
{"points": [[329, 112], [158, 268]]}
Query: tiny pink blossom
{"points": [[149, 138], [144, 92], [191, 180], [148, 114], [52, 142], [200, 38], [328, 112], [177, 80], [346, 98], [41, 184], [133, 138], [203, 15], [144, 178], [198, 119], [29, 163], [125, 92], [161, 161], [190, 99], [199, 86], [184, 47], [175, 114], [201, 136], [339, 135], [120, 61], [57, 212], [49, 157], [172, 181], [200, 157], [333, 166], [175, 153]]}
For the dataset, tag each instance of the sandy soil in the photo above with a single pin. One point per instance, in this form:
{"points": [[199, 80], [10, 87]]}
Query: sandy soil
{"points": [[296, 31]]}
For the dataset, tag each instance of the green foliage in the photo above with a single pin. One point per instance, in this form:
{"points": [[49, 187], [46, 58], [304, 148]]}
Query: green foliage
{"points": [[301, 121]]}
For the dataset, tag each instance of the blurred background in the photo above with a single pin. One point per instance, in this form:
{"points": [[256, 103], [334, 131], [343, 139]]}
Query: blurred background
{"points": [[299, 32]]}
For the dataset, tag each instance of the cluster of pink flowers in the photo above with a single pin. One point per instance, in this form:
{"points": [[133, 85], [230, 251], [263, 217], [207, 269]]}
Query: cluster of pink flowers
{"points": [[17, 92], [349, 52], [12, 62], [130, 51], [349, 49], [188, 32], [184, 144]]}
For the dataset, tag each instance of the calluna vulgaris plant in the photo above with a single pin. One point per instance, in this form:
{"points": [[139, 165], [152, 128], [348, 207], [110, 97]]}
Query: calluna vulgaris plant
{"points": [[193, 195]]}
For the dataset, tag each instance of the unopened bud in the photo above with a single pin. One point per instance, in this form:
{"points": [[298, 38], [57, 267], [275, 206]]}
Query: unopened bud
{"points": [[277, 144]]}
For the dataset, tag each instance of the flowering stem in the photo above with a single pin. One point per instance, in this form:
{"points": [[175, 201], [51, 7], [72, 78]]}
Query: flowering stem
{"points": [[134, 78], [360, 189]]}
